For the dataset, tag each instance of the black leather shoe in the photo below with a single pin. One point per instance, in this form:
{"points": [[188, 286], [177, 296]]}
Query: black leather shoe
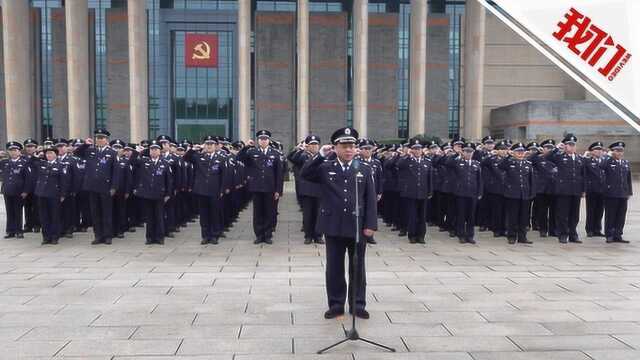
{"points": [[213, 241], [420, 240], [543, 234], [471, 240], [564, 239], [46, 242], [575, 240], [610, 240], [257, 241], [19, 236], [412, 240], [120, 236], [96, 242], [452, 234], [308, 240], [512, 240], [462, 240], [598, 234], [333, 313], [622, 241], [169, 235], [268, 241], [402, 233], [54, 242], [319, 240], [107, 241], [204, 242], [362, 313], [148, 242], [160, 241], [9, 236], [371, 241]]}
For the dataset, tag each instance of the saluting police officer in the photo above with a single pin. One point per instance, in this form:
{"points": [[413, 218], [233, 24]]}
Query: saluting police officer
{"points": [[100, 181], [569, 187], [468, 190], [337, 174], [153, 187], [594, 187], [309, 192], [169, 207], [82, 216], [123, 189], [545, 172], [484, 217], [365, 154], [69, 204], [211, 182], [51, 189], [617, 192], [518, 192], [416, 172], [31, 213], [16, 175], [264, 167]]}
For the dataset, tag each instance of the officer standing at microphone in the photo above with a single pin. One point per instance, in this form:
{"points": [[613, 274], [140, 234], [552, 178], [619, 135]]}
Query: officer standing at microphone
{"points": [[337, 175]]}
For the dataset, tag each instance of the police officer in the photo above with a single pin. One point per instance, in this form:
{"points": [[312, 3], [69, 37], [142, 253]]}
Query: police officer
{"points": [[100, 181], [211, 182], [153, 188], [468, 190], [68, 206], [617, 191], [594, 186], [416, 172], [545, 172], [51, 188], [265, 181], [31, 213], [366, 148], [484, 217], [518, 192], [123, 189], [569, 187], [391, 193], [493, 178], [309, 192], [82, 216], [133, 209], [16, 175], [170, 206], [337, 174]]}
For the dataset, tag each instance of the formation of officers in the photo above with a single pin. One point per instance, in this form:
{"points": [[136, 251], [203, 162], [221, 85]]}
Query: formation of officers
{"points": [[113, 187]]}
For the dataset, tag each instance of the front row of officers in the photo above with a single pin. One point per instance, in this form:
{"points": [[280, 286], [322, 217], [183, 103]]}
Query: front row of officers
{"points": [[114, 187], [503, 187]]}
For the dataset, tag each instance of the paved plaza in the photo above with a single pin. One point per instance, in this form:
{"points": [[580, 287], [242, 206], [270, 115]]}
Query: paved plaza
{"points": [[239, 301]]}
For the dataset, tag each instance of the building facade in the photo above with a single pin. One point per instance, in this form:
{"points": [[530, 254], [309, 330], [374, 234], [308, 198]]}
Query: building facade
{"points": [[390, 68]]}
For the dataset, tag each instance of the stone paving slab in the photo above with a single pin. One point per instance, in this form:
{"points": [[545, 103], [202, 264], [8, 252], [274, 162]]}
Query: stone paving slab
{"points": [[239, 301]]}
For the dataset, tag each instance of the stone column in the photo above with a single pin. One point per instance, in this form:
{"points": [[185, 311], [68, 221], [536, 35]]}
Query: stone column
{"points": [[302, 83], [77, 32], [360, 29], [244, 70], [418, 67], [17, 70], [138, 84], [474, 69]]}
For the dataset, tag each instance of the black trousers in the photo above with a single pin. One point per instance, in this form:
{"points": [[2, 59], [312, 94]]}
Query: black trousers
{"points": [[451, 212], [335, 273], [170, 215], [264, 213], [518, 215], [83, 210], [485, 215], [210, 217], [49, 209], [466, 216], [154, 210], [433, 209], [31, 213], [309, 215], [545, 213], [595, 211], [416, 217], [119, 213], [614, 216], [13, 206], [102, 215], [498, 210], [68, 215], [390, 199], [134, 211], [567, 215]]}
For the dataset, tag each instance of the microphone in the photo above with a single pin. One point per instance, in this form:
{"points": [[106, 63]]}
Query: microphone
{"points": [[355, 164]]}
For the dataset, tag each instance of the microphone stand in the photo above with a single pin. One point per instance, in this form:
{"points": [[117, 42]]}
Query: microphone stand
{"points": [[352, 334]]}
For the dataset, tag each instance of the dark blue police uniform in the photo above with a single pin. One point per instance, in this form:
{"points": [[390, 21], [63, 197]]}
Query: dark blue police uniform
{"points": [[16, 175], [618, 190]]}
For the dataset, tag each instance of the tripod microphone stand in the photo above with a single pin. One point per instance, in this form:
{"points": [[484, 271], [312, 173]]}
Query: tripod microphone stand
{"points": [[352, 334]]}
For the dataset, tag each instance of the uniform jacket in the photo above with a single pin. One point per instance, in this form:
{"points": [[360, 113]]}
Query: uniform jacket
{"points": [[100, 172], [417, 177]]}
